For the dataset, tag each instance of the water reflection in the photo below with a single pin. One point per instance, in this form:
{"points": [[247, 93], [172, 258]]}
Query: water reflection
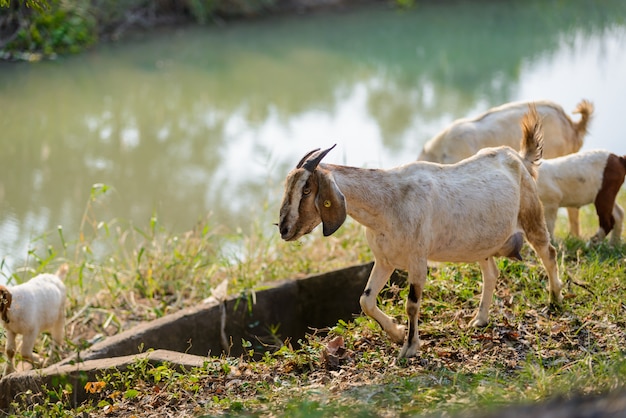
{"points": [[204, 120]]}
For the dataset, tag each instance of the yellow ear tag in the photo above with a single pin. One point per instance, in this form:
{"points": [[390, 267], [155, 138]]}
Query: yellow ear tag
{"points": [[327, 203]]}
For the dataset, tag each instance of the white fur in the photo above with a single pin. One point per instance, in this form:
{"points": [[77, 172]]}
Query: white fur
{"points": [[37, 306], [501, 126], [471, 211], [574, 181]]}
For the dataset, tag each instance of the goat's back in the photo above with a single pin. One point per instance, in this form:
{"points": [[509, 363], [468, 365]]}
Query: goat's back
{"points": [[501, 126], [572, 180], [38, 304], [464, 211]]}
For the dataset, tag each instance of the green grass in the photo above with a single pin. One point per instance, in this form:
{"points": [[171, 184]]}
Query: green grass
{"points": [[121, 275]]}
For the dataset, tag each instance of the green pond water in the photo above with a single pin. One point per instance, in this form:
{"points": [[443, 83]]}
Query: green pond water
{"points": [[182, 123]]}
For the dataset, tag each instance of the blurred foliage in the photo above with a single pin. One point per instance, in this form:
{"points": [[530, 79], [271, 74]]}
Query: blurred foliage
{"points": [[32, 29], [35, 4]]}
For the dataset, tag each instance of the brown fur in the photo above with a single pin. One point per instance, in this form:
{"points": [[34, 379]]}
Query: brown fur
{"points": [[531, 145], [5, 303], [612, 180], [330, 203]]}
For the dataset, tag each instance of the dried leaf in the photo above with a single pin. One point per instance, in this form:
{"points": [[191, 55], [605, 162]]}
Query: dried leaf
{"points": [[94, 387]]}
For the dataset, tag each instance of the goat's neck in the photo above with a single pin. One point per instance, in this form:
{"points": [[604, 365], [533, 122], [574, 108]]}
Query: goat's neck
{"points": [[369, 193]]}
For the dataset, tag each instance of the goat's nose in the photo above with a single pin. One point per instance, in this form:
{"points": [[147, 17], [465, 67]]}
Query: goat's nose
{"points": [[284, 230]]}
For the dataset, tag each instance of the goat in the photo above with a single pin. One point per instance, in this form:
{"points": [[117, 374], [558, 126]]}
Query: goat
{"points": [[471, 211], [30, 308], [579, 179], [501, 126]]}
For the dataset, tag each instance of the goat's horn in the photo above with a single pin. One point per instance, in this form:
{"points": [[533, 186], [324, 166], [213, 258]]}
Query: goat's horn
{"points": [[308, 154], [311, 164]]}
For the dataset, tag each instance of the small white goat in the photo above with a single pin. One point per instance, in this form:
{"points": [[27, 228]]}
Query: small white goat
{"points": [[501, 126], [31, 308], [471, 211], [579, 179]]}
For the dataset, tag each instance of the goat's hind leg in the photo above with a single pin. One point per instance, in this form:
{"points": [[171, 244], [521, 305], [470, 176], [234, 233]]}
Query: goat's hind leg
{"points": [[57, 332], [417, 280], [616, 233], [490, 274], [58, 329], [378, 277], [539, 239]]}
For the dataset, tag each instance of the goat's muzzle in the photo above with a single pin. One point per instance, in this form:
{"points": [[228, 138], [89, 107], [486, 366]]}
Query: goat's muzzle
{"points": [[286, 233]]}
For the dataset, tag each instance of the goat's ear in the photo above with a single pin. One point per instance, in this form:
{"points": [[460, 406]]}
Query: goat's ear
{"points": [[330, 203], [5, 303]]}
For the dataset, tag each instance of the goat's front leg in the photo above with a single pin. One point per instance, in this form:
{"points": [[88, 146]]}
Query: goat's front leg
{"points": [[378, 277], [490, 274], [10, 351], [417, 280], [609, 223], [574, 223], [28, 345]]}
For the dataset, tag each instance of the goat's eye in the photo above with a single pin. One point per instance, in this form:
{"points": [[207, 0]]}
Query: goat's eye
{"points": [[306, 191]]}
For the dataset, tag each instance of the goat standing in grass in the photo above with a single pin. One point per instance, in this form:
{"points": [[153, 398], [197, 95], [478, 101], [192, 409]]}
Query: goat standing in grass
{"points": [[472, 211], [31, 308], [576, 180], [501, 126]]}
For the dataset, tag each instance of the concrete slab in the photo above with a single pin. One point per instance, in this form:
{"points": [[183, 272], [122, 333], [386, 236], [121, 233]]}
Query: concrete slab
{"points": [[290, 307]]}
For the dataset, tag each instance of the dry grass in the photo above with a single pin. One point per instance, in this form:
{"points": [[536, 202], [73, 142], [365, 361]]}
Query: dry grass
{"points": [[527, 352]]}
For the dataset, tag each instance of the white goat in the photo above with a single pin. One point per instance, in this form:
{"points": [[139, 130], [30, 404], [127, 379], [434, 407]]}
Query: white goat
{"points": [[31, 308], [579, 179], [501, 126], [466, 212]]}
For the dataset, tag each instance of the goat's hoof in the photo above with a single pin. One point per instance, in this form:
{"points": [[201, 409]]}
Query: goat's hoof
{"points": [[397, 334], [409, 350], [555, 305], [7, 371], [478, 323], [556, 300]]}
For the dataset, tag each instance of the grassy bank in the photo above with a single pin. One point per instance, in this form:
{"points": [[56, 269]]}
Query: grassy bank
{"points": [[121, 275]]}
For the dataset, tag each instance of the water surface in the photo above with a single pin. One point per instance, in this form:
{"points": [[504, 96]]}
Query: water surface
{"points": [[208, 120]]}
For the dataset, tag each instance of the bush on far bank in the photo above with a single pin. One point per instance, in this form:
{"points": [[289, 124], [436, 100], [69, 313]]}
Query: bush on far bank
{"points": [[34, 29]]}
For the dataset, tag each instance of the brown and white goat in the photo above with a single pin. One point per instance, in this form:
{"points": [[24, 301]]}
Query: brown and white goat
{"points": [[579, 179], [501, 126], [471, 211], [30, 308]]}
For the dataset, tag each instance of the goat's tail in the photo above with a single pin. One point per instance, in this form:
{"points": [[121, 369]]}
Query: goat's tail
{"points": [[531, 147], [622, 160], [62, 271], [5, 303], [585, 108]]}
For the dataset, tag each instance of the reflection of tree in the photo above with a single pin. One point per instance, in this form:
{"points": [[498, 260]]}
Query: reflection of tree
{"points": [[474, 54], [159, 114]]}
